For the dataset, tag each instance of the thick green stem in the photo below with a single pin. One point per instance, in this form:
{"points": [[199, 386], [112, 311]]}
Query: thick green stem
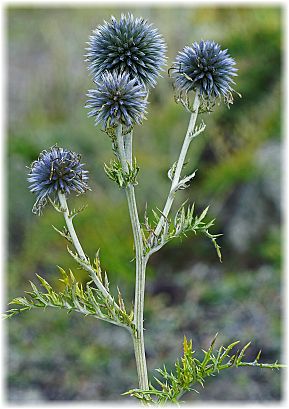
{"points": [[125, 154], [139, 290]]}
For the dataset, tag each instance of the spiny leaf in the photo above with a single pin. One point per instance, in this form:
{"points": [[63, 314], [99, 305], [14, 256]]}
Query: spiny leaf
{"points": [[185, 182], [242, 353], [185, 221], [198, 130], [172, 170], [202, 215], [44, 283], [56, 205], [64, 233], [258, 356], [88, 301], [115, 172], [190, 370], [65, 278], [75, 212]]}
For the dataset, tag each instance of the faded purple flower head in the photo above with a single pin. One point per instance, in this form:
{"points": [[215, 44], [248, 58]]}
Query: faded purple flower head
{"points": [[117, 100], [129, 45], [56, 170], [206, 68]]}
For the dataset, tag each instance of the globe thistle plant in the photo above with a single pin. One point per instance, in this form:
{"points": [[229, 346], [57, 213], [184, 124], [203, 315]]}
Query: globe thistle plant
{"points": [[125, 58], [56, 170], [129, 45], [206, 68], [117, 100]]}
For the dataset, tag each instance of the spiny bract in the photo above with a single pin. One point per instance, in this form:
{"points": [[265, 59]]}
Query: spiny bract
{"points": [[206, 68], [129, 45], [118, 100], [56, 170]]}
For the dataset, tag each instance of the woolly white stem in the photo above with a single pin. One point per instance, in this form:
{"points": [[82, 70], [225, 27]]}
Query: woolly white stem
{"points": [[138, 337], [128, 147], [82, 258], [179, 165], [70, 227]]}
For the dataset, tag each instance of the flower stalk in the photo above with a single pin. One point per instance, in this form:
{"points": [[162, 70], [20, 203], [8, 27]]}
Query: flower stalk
{"points": [[69, 224], [82, 258], [179, 166], [124, 146]]}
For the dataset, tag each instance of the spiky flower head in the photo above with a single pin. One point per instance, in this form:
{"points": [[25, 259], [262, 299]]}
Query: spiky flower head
{"points": [[127, 45], [117, 100], [56, 170], [206, 68]]}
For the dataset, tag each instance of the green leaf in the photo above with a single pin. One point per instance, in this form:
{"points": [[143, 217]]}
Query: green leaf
{"points": [[64, 233], [185, 222], [115, 172], [190, 371], [88, 301]]}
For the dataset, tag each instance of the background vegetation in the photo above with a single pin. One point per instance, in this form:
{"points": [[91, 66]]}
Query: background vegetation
{"points": [[55, 356]]}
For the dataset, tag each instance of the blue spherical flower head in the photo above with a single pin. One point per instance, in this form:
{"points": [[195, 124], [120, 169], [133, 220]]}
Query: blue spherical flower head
{"points": [[118, 100], [205, 68], [56, 170], [129, 45]]}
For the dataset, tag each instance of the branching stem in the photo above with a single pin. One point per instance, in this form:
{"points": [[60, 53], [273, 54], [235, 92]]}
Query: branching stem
{"points": [[82, 258], [124, 145], [179, 166], [70, 227]]}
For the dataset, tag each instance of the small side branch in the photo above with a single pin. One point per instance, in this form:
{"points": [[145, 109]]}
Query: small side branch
{"points": [[87, 266], [80, 257], [191, 372], [69, 224], [180, 163], [87, 300]]}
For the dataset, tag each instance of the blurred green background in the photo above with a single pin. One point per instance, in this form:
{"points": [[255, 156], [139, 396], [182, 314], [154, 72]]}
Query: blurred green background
{"points": [[55, 356]]}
